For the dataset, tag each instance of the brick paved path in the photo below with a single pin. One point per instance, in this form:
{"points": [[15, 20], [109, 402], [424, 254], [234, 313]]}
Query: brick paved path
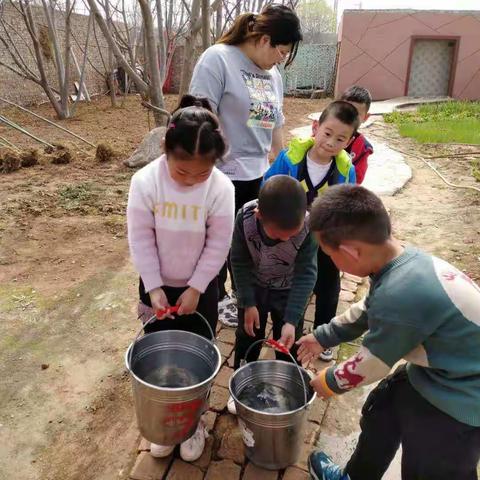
{"points": [[223, 457]]}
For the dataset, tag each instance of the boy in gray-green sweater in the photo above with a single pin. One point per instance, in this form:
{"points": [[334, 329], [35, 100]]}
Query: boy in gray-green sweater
{"points": [[419, 308], [274, 265]]}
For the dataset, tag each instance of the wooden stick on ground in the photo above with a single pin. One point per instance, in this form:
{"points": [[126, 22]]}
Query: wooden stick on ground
{"points": [[9, 144], [13, 125], [48, 121]]}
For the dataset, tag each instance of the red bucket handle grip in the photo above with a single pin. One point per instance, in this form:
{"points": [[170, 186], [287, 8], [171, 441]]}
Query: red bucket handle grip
{"points": [[277, 346], [161, 312]]}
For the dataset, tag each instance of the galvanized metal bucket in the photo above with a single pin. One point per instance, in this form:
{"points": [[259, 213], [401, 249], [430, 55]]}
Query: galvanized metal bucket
{"points": [[169, 415], [272, 440]]}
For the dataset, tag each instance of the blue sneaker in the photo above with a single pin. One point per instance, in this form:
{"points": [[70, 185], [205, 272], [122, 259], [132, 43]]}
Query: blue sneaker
{"points": [[321, 467]]}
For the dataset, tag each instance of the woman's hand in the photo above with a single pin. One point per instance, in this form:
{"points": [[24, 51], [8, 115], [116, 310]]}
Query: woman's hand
{"points": [[188, 301]]}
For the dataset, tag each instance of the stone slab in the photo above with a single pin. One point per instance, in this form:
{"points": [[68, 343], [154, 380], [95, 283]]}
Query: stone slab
{"points": [[252, 472], [223, 470], [346, 296], [294, 473], [206, 456], [225, 349], [231, 445], [352, 278], [387, 170], [218, 398], [349, 286], [148, 468], [227, 335], [184, 471], [144, 445], [340, 429], [388, 106], [223, 376], [317, 410]]}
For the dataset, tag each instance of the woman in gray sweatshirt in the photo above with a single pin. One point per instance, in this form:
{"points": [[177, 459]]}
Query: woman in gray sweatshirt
{"points": [[239, 77]]}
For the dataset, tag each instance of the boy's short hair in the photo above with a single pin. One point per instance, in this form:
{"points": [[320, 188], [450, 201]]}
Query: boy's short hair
{"points": [[350, 212], [343, 111], [357, 94], [282, 202]]}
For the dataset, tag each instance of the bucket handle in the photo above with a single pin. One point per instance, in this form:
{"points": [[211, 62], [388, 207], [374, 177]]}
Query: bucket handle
{"points": [[159, 313], [270, 342]]}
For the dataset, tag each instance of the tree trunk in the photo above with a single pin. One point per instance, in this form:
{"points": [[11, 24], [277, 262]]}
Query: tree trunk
{"points": [[188, 54], [32, 30], [219, 21], [66, 82], [142, 87], [205, 24], [162, 57], [52, 31], [110, 69], [155, 87]]}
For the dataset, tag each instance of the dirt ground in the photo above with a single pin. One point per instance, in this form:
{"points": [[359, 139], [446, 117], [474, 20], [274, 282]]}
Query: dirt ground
{"points": [[68, 291]]}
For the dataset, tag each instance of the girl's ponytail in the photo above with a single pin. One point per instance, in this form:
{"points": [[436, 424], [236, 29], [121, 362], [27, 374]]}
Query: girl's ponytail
{"points": [[194, 130], [193, 101]]}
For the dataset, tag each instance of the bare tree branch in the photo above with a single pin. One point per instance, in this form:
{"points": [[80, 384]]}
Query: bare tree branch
{"points": [[141, 85]]}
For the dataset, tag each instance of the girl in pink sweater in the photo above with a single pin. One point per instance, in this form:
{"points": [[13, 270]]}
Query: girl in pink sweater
{"points": [[180, 223]]}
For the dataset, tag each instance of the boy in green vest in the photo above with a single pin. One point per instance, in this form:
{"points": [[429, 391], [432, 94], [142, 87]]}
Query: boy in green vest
{"points": [[273, 259], [419, 308]]}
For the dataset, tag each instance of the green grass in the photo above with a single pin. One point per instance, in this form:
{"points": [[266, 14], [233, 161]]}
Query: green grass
{"points": [[449, 122], [476, 169], [443, 131]]}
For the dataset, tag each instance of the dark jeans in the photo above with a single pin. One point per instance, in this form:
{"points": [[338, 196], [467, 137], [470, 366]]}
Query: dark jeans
{"points": [[245, 191], [207, 306], [268, 301], [435, 446], [327, 289]]}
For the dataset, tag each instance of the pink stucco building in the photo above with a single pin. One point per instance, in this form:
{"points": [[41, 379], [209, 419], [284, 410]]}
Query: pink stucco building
{"points": [[410, 52]]}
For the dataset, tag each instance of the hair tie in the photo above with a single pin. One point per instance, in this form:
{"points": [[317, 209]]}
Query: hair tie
{"points": [[172, 125]]}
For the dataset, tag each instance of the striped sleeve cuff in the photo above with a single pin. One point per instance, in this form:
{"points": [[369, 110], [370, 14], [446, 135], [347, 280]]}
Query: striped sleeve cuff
{"points": [[327, 391]]}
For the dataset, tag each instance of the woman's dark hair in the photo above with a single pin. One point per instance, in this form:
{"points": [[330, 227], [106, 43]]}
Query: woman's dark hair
{"points": [[279, 22], [194, 130]]}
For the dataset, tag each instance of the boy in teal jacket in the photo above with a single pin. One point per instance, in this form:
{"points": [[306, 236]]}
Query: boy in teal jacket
{"points": [[317, 162], [419, 308]]}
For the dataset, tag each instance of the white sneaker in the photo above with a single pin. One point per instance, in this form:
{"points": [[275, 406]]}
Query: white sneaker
{"points": [[227, 311], [192, 449], [326, 355], [231, 407], [161, 451]]}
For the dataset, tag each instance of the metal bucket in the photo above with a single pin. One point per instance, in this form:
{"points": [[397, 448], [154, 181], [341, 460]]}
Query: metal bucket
{"points": [[169, 415], [272, 440]]}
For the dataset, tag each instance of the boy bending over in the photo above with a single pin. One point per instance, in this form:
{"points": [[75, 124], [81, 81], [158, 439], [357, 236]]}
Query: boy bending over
{"points": [[419, 308], [274, 266]]}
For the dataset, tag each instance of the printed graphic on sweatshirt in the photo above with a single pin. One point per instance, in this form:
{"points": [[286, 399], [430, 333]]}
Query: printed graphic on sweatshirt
{"points": [[264, 109], [462, 290]]}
